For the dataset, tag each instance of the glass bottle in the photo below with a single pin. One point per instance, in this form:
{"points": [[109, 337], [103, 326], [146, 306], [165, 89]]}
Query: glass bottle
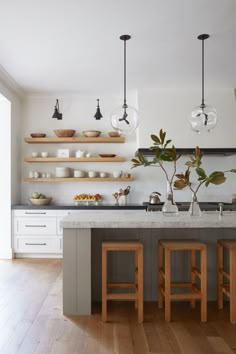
{"points": [[169, 207], [194, 209]]}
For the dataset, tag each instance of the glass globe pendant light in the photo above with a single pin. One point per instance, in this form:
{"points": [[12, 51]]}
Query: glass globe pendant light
{"points": [[203, 118], [125, 118]]}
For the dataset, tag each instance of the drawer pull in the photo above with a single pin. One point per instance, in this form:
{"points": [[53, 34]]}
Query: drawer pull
{"points": [[32, 213], [35, 244], [35, 225]]}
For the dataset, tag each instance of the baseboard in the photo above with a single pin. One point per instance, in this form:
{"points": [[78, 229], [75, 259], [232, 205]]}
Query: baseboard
{"points": [[37, 255], [6, 254]]}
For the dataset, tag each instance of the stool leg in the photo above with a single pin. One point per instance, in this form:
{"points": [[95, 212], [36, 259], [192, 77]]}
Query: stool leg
{"points": [[104, 285], [193, 276], [136, 276], [167, 284], [140, 285], [232, 265], [219, 274], [203, 285], [160, 280]]}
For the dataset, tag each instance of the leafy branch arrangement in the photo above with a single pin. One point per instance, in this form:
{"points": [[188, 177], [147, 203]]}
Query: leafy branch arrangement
{"points": [[195, 162], [163, 154]]}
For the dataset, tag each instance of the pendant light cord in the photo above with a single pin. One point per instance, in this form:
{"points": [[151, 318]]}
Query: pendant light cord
{"points": [[125, 104], [203, 71]]}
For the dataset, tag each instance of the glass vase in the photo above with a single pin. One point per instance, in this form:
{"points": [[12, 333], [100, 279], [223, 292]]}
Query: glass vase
{"points": [[194, 209], [169, 207]]}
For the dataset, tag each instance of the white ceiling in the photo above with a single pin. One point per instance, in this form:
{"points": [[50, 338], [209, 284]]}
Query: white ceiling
{"points": [[73, 45]]}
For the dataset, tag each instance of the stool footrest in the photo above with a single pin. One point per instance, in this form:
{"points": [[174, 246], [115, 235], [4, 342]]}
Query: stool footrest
{"points": [[121, 296], [121, 285], [180, 285], [186, 296]]}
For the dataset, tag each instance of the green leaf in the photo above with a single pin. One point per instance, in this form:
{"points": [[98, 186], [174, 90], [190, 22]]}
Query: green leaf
{"points": [[216, 177], [135, 161], [201, 173], [167, 142], [155, 139]]}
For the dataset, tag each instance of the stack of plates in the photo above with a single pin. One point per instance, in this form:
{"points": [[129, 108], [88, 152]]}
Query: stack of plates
{"points": [[62, 172]]}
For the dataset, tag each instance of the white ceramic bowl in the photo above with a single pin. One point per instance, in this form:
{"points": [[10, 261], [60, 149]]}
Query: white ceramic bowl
{"points": [[117, 174], [91, 133], [92, 174], [43, 201], [78, 173], [44, 154], [34, 154]]}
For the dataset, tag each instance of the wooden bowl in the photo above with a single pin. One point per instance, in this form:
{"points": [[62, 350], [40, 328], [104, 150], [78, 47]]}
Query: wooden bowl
{"points": [[64, 133], [37, 135], [91, 133], [44, 201], [114, 134]]}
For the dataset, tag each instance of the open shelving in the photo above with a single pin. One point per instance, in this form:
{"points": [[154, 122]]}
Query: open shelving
{"points": [[74, 159], [80, 179], [54, 140]]}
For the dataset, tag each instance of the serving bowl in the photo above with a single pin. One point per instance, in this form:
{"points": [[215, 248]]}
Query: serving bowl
{"points": [[91, 133], [114, 134], [44, 201], [64, 133], [37, 135]]}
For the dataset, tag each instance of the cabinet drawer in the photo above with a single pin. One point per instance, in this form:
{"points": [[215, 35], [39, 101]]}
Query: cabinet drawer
{"points": [[34, 212], [24, 244], [35, 226]]}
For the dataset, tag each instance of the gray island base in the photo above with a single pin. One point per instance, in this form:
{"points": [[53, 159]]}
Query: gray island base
{"points": [[83, 234]]}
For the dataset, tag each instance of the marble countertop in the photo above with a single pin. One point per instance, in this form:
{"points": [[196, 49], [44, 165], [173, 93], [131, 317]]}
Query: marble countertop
{"points": [[143, 219]]}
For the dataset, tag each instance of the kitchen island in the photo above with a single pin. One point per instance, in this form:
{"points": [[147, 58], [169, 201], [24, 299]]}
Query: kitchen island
{"points": [[83, 234]]}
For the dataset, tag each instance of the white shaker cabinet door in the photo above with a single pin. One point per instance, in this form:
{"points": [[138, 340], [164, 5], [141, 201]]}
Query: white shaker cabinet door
{"points": [[35, 226]]}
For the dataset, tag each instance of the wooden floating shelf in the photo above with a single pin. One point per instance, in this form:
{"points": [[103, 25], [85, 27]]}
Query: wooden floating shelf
{"points": [[74, 159], [54, 140], [75, 179]]}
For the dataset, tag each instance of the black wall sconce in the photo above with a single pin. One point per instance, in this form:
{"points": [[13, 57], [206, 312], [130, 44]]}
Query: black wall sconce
{"points": [[57, 113], [98, 114]]}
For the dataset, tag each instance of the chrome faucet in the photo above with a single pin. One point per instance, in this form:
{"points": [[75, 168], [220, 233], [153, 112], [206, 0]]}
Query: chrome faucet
{"points": [[221, 209]]}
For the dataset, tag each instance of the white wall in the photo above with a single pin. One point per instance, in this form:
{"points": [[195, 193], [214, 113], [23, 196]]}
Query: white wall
{"points": [[10, 166], [167, 109]]}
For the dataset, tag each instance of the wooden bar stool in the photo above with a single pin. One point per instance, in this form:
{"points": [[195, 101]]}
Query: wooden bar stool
{"points": [[137, 285], [164, 275], [227, 288]]}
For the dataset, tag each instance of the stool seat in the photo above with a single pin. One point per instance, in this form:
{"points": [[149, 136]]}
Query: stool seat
{"points": [[227, 287], [137, 285], [182, 245], [165, 247]]}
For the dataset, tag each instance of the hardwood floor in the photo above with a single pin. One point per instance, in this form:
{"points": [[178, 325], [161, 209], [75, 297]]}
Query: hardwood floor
{"points": [[31, 320]]}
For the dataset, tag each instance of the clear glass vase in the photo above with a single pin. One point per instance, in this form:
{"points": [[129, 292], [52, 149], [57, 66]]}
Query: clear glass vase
{"points": [[194, 209], [169, 207]]}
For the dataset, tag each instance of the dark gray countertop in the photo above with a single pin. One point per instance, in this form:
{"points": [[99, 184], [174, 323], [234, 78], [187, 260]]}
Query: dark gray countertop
{"points": [[183, 206]]}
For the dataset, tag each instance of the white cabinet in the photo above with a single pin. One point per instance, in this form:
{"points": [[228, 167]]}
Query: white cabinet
{"points": [[37, 232]]}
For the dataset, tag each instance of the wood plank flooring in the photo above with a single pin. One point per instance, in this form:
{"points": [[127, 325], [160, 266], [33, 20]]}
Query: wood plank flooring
{"points": [[31, 320]]}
